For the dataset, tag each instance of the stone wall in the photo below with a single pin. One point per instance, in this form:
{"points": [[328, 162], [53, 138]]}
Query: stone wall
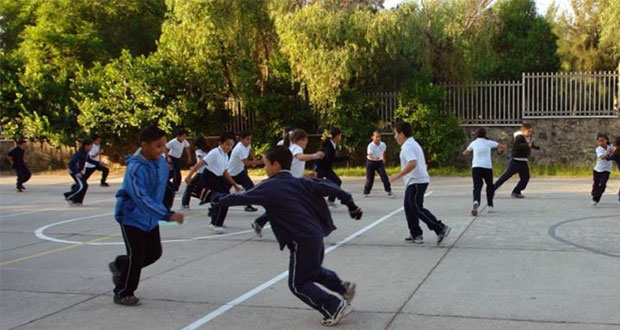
{"points": [[40, 156]]}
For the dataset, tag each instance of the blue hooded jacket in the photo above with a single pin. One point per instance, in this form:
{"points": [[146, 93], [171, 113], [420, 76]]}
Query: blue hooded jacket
{"points": [[139, 202]]}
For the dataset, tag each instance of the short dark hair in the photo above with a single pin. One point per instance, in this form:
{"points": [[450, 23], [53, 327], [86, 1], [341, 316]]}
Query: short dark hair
{"points": [[526, 126], [281, 155], [226, 136], [181, 131], [602, 135], [19, 141], [245, 134], [404, 128], [481, 133], [95, 137], [201, 143], [86, 142], [335, 132], [151, 133]]}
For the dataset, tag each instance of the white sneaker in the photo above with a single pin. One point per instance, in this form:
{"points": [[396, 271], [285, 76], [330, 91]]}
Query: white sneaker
{"points": [[365, 195], [490, 209], [349, 294], [217, 229], [594, 203], [343, 310], [474, 210], [258, 230]]}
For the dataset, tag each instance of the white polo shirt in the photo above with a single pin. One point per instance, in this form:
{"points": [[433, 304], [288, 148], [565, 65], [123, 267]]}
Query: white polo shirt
{"points": [[200, 154], [376, 150], [239, 153], [93, 155], [297, 166], [482, 152], [603, 165], [175, 147], [411, 150], [217, 161]]}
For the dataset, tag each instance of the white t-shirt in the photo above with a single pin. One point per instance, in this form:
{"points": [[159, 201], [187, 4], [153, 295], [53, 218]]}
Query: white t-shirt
{"points": [[200, 154], [239, 153], [217, 161], [175, 148], [482, 152], [280, 143], [411, 150], [603, 165], [92, 154], [297, 166], [376, 150], [527, 138]]}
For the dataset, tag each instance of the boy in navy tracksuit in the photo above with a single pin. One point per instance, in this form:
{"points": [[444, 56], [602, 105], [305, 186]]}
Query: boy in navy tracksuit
{"points": [[16, 158], [324, 167], [518, 164], [139, 207], [75, 197], [300, 220]]}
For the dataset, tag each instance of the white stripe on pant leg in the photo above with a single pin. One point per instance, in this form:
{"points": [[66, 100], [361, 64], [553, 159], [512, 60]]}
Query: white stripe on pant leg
{"points": [[79, 180], [293, 282], [129, 255], [421, 212], [229, 305]]}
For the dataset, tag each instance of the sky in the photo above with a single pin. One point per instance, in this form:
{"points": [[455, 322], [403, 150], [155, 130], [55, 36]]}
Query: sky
{"points": [[541, 5]]}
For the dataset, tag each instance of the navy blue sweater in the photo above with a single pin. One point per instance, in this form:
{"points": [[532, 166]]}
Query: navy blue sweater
{"points": [[327, 163], [76, 164], [295, 207]]}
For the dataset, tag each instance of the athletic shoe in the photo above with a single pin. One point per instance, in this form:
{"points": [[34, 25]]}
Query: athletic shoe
{"points": [[22, 186], [116, 273], [515, 195], [594, 203], [104, 184], [349, 292], [365, 195], [474, 210], [19, 189], [258, 230], [217, 229], [332, 204], [444, 234], [127, 301], [71, 203], [250, 208], [77, 204], [185, 207], [416, 240], [390, 194], [343, 310], [490, 209]]}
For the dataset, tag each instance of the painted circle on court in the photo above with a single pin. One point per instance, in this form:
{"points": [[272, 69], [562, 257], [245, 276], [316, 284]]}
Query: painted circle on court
{"points": [[553, 233]]}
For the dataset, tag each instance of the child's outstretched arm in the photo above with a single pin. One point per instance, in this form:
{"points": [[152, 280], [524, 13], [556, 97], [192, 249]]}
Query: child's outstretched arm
{"points": [[259, 195], [326, 188]]}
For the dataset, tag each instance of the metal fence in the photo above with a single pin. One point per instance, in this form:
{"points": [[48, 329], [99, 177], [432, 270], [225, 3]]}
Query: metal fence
{"points": [[492, 103]]}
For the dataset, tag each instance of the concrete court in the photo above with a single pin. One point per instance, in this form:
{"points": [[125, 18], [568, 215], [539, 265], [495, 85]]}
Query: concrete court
{"points": [[551, 261]]}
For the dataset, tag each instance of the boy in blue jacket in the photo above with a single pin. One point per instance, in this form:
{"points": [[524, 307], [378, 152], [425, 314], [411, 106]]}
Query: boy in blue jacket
{"points": [[300, 219], [75, 197], [139, 207]]}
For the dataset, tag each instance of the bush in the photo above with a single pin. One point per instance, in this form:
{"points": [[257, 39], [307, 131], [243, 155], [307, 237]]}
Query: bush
{"points": [[436, 129]]}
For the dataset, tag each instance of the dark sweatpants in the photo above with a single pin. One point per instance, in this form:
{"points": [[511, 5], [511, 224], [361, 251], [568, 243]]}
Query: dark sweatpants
{"points": [[599, 185], [143, 249], [23, 175], [176, 170], [331, 176], [479, 174], [216, 184], [414, 211], [305, 269], [371, 167], [244, 180], [104, 172], [78, 190], [515, 166]]}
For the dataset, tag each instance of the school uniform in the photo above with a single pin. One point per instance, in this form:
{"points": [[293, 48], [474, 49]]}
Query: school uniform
{"points": [[297, 166], [175, 151], [195, 184], [518, 164], [376, 165], [482, 167], [236, 167], [417, 182], [324, 167], [19, 165], [615, 157], [95, 165], [300, 220], [76, 168], [139, 208], [216, 164], [601, 173]]}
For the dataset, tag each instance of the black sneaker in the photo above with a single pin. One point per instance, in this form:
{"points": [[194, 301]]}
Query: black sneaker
{"points": [[257, 228], [127, 301], [515, 195], [19, 189], [250, 208], [416, 240], [116, 273], [22, 186], [343, 310], [443, 234], [104, 184], [349, 292]]}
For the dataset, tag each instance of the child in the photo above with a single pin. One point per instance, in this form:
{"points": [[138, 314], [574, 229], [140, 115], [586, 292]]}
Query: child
{"points": [[375, 161], [75, 197], [217, 178], [518, 164], [139, 209], [296, 141], [175, 151], [16, 158], [324, 167], [196, 183], [300, 220], [97, 165], [615, 155], [238, 163], [286, 130], [413, 170], [602, 170], [482, 167]]}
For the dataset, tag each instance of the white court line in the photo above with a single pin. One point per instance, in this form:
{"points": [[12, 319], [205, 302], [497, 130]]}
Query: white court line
{"points": [[224, 308], [51, 209]]}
